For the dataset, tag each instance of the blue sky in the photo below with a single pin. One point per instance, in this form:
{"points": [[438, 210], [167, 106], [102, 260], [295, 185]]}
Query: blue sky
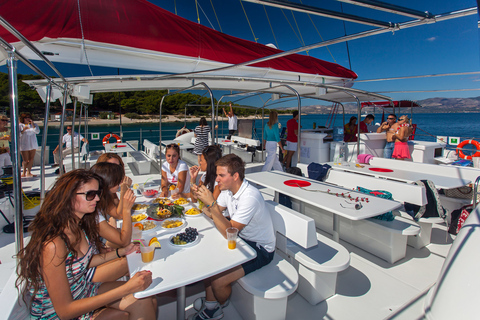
{"points": [[444, 47]]}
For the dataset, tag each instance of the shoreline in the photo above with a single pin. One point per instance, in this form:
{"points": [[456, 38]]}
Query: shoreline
{"points": [[168, 118]]}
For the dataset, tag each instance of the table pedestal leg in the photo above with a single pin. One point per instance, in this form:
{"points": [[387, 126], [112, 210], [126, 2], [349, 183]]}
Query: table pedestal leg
{"points": [[181, 303], [336, 228]]}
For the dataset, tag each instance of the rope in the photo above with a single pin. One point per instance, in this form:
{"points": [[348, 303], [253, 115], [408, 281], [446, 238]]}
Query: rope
{"points": [[318, 32], [196, 7], [33, 202], [206, 16], [296, 35], [301, 37], [346, 195], [216, 16], [83, 38], [251, 29], [268, 19]]}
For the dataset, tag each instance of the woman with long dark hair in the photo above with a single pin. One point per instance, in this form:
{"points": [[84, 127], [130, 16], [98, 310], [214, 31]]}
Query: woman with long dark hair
{"points": [[53, 266], [209, 156], [111, 208], [350, 130]]}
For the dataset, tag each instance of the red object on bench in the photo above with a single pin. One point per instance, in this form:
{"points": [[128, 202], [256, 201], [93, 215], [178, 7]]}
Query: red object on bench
{"points": [[297, 183]]}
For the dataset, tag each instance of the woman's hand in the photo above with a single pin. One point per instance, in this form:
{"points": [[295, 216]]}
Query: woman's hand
{"points": [[127, 181], [139, 282], [132, 247], [128, 199], [194, 173], [205, 195]]}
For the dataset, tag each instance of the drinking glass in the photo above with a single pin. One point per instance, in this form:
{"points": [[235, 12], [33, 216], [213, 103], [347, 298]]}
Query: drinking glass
{"points": [[232, 234], [147, 253]]}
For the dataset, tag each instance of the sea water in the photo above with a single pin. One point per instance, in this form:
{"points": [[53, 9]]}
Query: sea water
{"points": [[429, 125]]}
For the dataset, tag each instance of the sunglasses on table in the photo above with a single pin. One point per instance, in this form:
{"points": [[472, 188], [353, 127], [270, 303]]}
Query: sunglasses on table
{"points": [[90, 195]]}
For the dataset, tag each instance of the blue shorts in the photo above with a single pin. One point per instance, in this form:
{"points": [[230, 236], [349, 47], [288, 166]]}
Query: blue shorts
{"points": [[263, 258], [388, 151]]}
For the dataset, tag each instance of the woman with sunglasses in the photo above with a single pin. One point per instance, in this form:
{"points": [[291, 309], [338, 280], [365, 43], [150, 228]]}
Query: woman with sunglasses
{"points": [[404, 130], [28, 143], [209, 156], [5, 159], [175, 174], [111, 208], [53, 266]]}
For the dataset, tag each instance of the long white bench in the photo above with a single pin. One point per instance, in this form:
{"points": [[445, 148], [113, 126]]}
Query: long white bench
{"points": [[263, 293], [242, 140], [384, 239], [402, 192]]}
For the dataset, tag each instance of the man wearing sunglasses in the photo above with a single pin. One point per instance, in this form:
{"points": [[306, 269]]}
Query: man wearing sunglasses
{"points": [[389, 128], [67, 140]]}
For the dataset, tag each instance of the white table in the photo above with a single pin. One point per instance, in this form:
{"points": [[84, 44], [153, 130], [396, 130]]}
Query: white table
{"points": [[119, 147], [174, 268], [337, 205], [440, 181]]}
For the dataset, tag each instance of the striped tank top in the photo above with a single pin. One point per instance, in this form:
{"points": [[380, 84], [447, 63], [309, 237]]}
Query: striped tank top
{"points": [[42, 307]]}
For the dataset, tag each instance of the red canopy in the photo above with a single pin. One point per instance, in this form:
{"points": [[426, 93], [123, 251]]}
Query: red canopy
{"points": [[142, 25]]}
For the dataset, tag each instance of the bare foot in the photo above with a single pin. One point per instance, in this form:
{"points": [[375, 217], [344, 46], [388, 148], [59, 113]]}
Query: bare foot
{"points": [[31, 175]]}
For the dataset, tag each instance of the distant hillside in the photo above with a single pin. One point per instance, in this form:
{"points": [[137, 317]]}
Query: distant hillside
{"points": [[431, 105]]}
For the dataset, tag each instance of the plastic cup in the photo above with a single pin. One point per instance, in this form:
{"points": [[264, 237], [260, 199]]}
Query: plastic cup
{"points": [[147, 253], [136, 233], [232, 234]]}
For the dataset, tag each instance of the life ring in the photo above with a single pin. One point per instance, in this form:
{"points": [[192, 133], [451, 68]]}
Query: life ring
{"points": [[182, 131], [463, 144], [108, 136]]}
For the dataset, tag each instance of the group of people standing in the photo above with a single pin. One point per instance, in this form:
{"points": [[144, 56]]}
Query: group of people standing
{"points": [[397, 137]]}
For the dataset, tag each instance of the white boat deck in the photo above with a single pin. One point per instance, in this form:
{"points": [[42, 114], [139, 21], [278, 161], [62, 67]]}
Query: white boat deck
{"points": [[369, 289]]}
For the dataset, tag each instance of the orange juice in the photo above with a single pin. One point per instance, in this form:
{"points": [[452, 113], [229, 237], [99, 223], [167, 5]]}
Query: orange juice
{"points": [[148, 256], [232, 244]]}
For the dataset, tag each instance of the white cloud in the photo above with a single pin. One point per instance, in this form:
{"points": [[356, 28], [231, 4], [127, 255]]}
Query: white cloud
{"points": [[431, 39]]}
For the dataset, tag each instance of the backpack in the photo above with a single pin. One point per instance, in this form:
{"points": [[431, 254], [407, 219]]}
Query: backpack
{"points": [[433, 208], [317, 171], [458, 219]]}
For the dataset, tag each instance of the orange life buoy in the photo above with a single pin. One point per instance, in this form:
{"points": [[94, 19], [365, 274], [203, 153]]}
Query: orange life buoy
{"points": [[108, 136], [463, 144], [182, 131]]}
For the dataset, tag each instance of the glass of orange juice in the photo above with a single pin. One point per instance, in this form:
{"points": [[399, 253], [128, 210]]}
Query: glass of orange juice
{"points": [[232, 234], [147, 253]]}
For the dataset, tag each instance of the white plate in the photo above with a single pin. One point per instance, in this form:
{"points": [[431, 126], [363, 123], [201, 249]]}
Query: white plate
{"points": [[140, 210], [173, 229], [183, 205], [190, 244], [157, 226], [192, 216], [145, 217]]}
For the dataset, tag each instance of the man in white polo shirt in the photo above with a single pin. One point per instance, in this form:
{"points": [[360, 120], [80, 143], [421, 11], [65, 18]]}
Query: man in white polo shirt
{"points": [[247, 213], [232, 121], [67, 140]]}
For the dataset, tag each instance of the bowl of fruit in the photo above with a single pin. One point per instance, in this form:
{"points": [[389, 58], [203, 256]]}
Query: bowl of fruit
{"points": [[149, 190]]}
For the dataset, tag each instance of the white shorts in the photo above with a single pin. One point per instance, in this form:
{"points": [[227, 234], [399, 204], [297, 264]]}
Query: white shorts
{"points": [[291, 146]]}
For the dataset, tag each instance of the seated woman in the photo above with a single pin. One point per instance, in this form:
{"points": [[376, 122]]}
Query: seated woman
{"points": [[110, 205], [404, 130], [116, 159], [209, 156], [175, 174], [350, 130], [53, 266]]}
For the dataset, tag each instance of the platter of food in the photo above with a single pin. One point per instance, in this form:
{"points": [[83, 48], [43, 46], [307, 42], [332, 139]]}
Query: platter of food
{"points": [[159, 211], [193, 212], [146, 226], [139, 217], [181, 201], [164, 201], [173, 224], [188, 238], [139, 208]]}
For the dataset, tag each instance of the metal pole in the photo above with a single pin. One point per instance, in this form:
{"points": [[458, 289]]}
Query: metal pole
{"points": [[80, 131], [44, 142], [73, 133], [62, 123], [17, 181]]}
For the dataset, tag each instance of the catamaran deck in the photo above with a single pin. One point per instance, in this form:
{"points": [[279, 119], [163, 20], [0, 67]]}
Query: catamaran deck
{"points": [[369, 289]]}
